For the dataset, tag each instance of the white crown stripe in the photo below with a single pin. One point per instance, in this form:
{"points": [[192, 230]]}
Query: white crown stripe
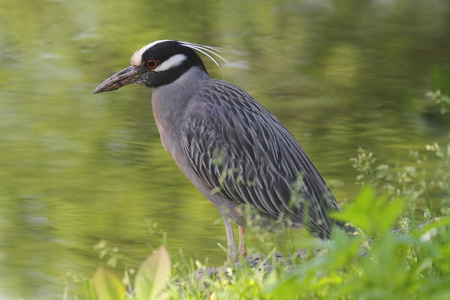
{"points": [[209, 51], [136, 59]]}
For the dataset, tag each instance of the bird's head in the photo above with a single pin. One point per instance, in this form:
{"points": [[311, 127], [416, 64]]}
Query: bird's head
{"points": [[159, 63]]}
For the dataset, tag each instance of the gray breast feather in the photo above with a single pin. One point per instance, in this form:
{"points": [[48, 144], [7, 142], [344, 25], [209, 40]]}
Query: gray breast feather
{"points": [[237, 148]]}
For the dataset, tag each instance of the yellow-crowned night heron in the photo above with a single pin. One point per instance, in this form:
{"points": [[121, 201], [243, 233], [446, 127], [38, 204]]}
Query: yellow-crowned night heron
{"points": [[231, 148]]}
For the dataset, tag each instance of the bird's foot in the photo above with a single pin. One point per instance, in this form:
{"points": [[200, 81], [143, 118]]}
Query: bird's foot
{"points": [[232, 256]]}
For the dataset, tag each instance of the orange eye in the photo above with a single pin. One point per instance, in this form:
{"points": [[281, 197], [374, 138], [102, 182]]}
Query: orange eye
{"points": [[151, 63]]}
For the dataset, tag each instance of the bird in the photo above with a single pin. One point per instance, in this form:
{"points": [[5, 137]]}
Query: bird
{"points": [[233, 150]]}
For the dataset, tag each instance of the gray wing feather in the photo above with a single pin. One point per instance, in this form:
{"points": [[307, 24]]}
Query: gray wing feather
{"points": [[238, 148]]}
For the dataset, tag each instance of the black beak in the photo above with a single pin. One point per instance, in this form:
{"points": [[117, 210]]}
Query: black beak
{"points": [[125, 77]]}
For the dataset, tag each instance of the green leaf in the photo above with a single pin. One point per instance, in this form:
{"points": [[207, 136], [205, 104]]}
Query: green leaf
{"points": [[107, 286], [153, 275], [373, 215]]}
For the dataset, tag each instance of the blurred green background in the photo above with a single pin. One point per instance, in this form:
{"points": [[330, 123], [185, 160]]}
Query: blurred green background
{"points": [[76, 168]]}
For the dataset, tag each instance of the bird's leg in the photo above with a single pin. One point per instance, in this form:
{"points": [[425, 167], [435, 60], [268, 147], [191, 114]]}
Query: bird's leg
{"points": [[232, 254], [242, 248]]}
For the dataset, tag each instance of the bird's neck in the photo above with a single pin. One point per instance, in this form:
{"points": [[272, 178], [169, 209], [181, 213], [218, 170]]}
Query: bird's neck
{"points": [[169, 102]]}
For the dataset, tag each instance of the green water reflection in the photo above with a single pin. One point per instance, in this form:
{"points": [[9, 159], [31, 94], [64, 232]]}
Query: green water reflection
{"points": [[76, 168]]}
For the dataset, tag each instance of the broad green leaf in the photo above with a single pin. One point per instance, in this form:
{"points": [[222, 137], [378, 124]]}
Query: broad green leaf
{"points": [[153, 275], [107, 286], [373, 215]]}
